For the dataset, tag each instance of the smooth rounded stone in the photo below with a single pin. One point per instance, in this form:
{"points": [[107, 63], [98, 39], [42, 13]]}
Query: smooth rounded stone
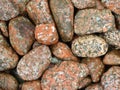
{"points": [[117, 18], [96, 86], [89, 46], [21, 33], [111, 79], [31, 85], [21, 4], [63, 52], [46, 34], [113, 38], [112, 58], [67, 75], [36, 44], [90, 21], [39, 12], [7, 10], [85, 82], [3, 28], [34, 63], [82, 4], [113, 5], [95, 66], [63, 13], [8, 58], [8, 82]]}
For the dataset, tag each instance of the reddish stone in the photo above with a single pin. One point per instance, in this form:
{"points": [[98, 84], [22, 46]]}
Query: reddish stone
{"points": [[33, 64], [85, 82], [7, 10], [3, 28], [113, 5], [111, 79], [31, 85], [8, 58], [39, 12], [99, 5], [67, 75], [82, 4], [63, 52], [112, 58], [46, 34], [95, 87], [96, 68], [8, 82], [21, 33], [63, 12], [93, 21], [89, 46]]}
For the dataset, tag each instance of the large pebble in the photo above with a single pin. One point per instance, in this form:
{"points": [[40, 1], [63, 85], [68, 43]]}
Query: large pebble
{"points": [[7, 10], [8, 82], [63, 12], [65, 76], [113, 5], [113, 38], [8, 58], [21, 33], [111, 79], [39, 12], [93, 21], [89, 46], [33, 64]]}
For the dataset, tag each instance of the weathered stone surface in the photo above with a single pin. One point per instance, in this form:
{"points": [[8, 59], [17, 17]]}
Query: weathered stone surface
{"points": [[113, 38], [21, 4], [95, 66], [65, 76], [46, 34], [7, 10], [33, 64], [82, 4], [113, 5], [112, 58], [94, 87], [89, 46], [8, 82], [31, 85], [39, 12], [85, 82], [3, 28], [8, 58], [21, 33], [63, 12], [63, 52], [93, 21], [111, 79]]}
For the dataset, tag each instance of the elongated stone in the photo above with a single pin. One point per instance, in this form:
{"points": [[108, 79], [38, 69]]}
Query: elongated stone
{"points": [[63, 11]]}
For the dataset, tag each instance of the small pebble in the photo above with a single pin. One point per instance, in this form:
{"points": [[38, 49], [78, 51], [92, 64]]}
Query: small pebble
{"points": [[3, 28], [34, 63], [89, 46]]}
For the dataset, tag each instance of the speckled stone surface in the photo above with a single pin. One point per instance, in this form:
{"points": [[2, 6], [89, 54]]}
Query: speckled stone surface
{"points": [[8, 82], [63, 12], [111, 79], [95, 87], [7, 10], [65, 76], [89, 46], [90, 21], [33, 64], [21, 33], [4, 28]]}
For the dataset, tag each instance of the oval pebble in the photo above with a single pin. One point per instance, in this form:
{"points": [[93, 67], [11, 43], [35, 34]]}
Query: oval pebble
{"points": [[89, 46], [93, 21], [33, 64], [8, 82], [21, 33]]}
